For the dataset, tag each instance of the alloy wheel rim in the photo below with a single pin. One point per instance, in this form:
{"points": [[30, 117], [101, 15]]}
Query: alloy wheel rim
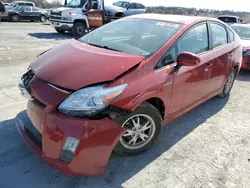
{"points": [[43, 19], [79, 30], [15, 18], [229, 83], [140, 131]]}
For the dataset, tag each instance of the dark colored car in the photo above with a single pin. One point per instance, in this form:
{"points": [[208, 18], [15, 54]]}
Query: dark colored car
{"points": [[243, 30], [3, 13], [27, 13], [115, 88]]}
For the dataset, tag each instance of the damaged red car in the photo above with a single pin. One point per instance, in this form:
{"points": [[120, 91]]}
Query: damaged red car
{"points": [[243, 30], [116, 87]]}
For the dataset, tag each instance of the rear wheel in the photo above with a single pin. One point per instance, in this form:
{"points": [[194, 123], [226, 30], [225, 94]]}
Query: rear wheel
{"points": [[143, 127], [59, 30], [43, 18], [229, 84], [79, 29], [15, 18]]}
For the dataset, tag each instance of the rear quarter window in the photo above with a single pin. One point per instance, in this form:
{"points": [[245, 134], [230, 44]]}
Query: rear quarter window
{"points": [[219, 35]]}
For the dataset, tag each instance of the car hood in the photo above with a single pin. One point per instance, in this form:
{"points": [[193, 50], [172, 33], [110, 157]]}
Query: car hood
{"points": [[74, 65], [245, 44], [114, 8]]}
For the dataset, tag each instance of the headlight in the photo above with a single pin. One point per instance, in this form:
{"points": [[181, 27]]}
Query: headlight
{"points": [[246, 52], [90, 100], [67, 18]]}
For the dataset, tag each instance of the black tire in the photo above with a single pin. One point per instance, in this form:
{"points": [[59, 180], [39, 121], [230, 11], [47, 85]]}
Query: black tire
{"points": [[228, 87], [145, 109], [79, 29], [59, 30], [15, 18], [43, 18]]}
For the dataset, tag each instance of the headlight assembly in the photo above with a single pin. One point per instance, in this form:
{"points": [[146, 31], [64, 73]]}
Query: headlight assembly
{"points": [[90, 100]]}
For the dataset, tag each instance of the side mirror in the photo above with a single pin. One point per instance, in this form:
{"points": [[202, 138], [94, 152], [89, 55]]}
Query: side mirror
{"points": [[188, 59]]}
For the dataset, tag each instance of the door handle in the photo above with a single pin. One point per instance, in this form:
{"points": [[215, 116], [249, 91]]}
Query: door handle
{"points": [[209, 65]]}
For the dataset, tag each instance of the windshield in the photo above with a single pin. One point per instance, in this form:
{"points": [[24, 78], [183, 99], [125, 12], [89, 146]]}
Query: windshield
{"points": [[122, 4], [242, 31], [228, 19], [134, 36], [75, 3]]}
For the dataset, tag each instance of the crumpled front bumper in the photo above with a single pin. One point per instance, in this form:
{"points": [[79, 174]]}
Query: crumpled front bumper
{"points": [[97, 139]]}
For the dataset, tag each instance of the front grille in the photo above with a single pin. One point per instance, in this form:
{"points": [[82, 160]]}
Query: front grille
{"points": [[56, 13], [52, 17], [26, 78]]}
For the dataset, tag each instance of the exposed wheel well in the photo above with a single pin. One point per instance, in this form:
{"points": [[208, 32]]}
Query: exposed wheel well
{"points": [[158, 104], [81, 21]]}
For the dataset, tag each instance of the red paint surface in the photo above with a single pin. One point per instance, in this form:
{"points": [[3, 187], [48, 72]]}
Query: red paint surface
{"points": [[75, 65]]}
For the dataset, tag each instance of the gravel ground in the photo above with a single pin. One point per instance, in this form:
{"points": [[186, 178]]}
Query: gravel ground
{"points": [[208, 147]]}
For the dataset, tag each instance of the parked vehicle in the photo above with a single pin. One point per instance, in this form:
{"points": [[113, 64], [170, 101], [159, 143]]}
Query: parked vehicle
{"points": [[6, 4], [3, 13], [124, 8], [243, 30], [115, 88], [17, 4], [74, 18], [230, 19], [28, 13]]}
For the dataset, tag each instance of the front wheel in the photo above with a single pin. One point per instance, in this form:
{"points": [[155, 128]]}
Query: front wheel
{"points": [[15, 18], [79, 29], [143, 127], [43, 18], [59, 30], [229, 84]]}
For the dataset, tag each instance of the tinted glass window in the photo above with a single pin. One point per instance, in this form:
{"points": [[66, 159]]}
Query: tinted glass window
{"points": [[27, 9], [20, 4], [29, 4], [219, 35], [169, 58], [132, 6], [139, 6], [230, 35], [144, 37], [195, 40], [228, 19]]}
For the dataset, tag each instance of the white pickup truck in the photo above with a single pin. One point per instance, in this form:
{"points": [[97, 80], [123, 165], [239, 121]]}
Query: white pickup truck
{"points": [[230, 19], [73, 16]]}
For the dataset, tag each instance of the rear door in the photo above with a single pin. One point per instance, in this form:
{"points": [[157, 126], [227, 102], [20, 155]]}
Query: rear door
{"points": [[222, 51], [140, 9], [191, 83], [36, 13], [131, 9], [26, 13]]}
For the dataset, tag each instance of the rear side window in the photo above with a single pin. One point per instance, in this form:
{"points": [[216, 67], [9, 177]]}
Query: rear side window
{"points": [[29, 4], [35, 9], [230, 36], [194, 40], [219, 35], [132, 6], [139, 6], [27, 9]]}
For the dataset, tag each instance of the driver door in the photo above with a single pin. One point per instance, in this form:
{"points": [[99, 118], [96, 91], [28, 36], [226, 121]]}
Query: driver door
{"points": [[131, 9], [191, 83]]}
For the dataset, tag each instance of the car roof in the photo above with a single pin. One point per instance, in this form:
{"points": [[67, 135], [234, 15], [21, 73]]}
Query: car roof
{"points": [[173, 18], [23, 2], [228, 16], [240, 25]]}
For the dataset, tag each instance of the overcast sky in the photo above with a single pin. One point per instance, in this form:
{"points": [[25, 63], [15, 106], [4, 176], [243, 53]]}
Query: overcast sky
{"points": [[243, 5]]}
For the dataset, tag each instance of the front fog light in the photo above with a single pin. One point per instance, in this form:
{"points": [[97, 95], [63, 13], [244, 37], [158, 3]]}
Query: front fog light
{"points": [[69, 148]]}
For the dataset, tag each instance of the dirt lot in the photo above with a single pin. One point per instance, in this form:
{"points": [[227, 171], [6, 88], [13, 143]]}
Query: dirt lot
{"points": [[209, 147]]}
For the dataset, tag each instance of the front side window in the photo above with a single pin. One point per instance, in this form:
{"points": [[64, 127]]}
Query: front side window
{"points": [[122, 4], [242, 31], [194, 40], [135, 36], [75, 3], [219, 35]]}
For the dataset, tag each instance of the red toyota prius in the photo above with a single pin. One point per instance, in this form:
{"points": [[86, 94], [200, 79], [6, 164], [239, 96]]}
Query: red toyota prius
{"points": [[116, 87]]}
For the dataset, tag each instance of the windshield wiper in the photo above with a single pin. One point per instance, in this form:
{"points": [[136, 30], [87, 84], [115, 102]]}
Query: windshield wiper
{"points": [[105, 47]]}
